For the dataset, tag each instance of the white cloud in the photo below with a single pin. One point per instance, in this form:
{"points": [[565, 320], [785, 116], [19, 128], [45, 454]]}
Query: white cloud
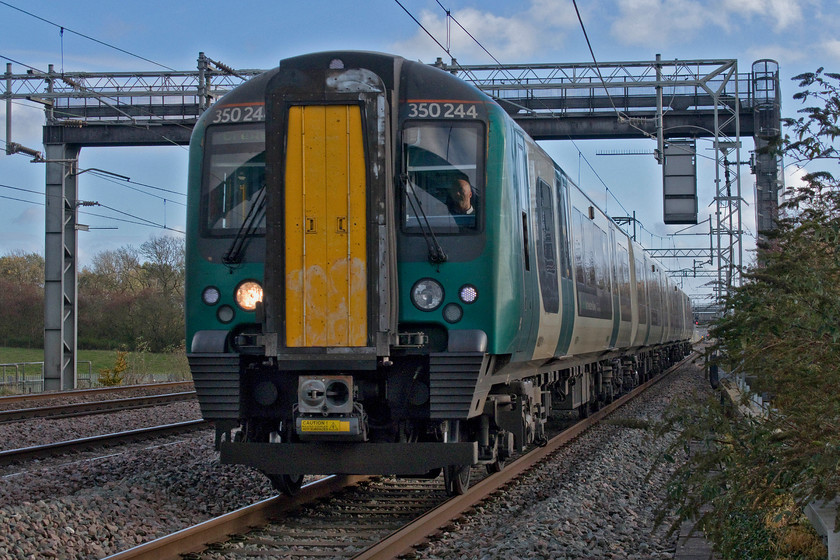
{"points": [[832, 49], [793, 177], [540, 27], [27, 124], [781, 13], [554, 13], [654, 22], [783, 54]]}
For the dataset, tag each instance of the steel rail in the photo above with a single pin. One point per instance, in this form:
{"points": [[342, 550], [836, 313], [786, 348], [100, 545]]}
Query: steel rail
{"points": [[93, 407], [10, 456], [403, 540], [76, 392], [197, 537]]}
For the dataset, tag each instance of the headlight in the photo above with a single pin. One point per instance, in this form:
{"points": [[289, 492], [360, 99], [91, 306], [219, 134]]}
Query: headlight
{"points": [[427, 294], [468, 293], [247, 295], [211, 295]]}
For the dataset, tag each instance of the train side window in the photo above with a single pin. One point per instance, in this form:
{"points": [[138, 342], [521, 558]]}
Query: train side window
{"points": [[624, 282], [655, 295], [580, 274], [547, 249], [641, 290], [591, 268], [563, 227]]}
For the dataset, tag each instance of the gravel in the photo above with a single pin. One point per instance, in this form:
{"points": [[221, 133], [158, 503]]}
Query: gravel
{"points": [[595, 499], [590, 500], [90, 506], [36, 432]]}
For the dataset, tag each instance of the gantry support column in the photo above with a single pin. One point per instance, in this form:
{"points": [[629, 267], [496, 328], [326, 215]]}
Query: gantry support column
{"points": [[60, 249], [767, 164]]}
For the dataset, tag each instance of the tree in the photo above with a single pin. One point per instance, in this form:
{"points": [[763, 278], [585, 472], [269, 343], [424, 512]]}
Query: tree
{"points": [[22, 299], [23, 268], [131, 295], [114, 271], [782, 328], [164, 266]]}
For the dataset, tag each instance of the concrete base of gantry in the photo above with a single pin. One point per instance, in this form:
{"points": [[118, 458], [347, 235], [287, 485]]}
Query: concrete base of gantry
{"points": [[822, 515]]}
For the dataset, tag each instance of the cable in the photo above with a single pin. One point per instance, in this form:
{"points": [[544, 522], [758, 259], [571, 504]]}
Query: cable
{"points": [[18, 62], [421, 27], [117, 182], [22, 189], [143, 221], [22, 200], [621, 117], [63, 29], [123, 220], [464, 29], [592, 52], [107, 178]]}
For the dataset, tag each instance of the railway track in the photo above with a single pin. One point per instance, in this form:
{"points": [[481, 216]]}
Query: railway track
{"points": [[14, 400], [93, 407], [353, 517], [12, 456]]}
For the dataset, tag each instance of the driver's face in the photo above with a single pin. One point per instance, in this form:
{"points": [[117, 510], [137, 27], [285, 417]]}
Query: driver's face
{"points": [[461, 194]]}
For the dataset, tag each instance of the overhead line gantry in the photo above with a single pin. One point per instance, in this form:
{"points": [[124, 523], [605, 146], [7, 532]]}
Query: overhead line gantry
{"points": [[660, 100]]}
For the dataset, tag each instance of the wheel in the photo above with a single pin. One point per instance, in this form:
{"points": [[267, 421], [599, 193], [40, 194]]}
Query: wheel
{"points": [[583, 411], [286, 483], [456, 478], [495, 466], [499, 462]]}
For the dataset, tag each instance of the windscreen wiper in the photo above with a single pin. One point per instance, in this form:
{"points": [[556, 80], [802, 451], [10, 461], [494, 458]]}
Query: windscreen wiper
{"points": [[436, 252], [249, 225]]}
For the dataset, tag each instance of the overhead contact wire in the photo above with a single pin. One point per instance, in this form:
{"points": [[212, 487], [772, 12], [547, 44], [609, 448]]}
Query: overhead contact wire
{"points": [[63, 28]]}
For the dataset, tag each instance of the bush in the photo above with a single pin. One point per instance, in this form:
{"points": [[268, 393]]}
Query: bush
{"points": [[752, 477]]}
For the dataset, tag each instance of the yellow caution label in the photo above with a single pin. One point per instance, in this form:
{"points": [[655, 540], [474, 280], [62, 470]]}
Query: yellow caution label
{"points": [[324, 426]]}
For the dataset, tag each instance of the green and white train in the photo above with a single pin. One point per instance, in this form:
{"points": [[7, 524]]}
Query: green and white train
{"points": [[386, 275]]}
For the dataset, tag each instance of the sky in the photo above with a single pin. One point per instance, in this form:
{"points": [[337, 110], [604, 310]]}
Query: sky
{"points": [[798, 34]]}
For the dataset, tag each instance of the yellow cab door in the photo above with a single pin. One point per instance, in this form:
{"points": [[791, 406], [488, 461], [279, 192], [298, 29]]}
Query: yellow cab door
{"points": [[325, 227]]}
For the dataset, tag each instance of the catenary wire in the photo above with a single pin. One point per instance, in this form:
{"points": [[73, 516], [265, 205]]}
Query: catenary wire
{"points": [[447, 51], [64, 28], [144, 221]]}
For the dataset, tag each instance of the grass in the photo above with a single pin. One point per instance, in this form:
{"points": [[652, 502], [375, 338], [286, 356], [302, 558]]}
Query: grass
{"points": [[142, 366]]}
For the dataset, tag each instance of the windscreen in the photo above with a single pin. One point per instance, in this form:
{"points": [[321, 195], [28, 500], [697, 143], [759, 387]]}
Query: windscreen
{"points": [[234, 174], [443, 185]]}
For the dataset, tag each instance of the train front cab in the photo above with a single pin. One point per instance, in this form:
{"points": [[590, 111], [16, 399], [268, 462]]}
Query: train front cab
{"points": [[342, 381]]}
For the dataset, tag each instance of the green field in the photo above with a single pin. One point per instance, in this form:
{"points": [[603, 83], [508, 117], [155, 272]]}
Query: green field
{"points": [[142, 366]]}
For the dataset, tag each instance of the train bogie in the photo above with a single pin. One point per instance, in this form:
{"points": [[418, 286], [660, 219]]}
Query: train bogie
{"points": [[386, 275]]}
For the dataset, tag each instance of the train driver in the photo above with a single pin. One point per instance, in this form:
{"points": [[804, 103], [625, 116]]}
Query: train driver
{"points": [[461, 197]]}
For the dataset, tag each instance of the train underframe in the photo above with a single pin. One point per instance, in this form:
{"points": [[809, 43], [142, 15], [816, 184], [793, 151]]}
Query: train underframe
{"points": [[420, 415]]}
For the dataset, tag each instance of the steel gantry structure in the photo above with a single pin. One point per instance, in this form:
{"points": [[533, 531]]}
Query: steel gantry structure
{"points": [[660, 100], [663, 101], [86, 109]]}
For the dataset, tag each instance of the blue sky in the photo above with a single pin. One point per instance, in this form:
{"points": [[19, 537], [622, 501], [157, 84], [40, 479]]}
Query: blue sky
{"points": [[799, 34]]}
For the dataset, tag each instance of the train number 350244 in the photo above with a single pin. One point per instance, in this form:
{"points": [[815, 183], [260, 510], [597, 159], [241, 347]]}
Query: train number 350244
{"points": [[442, 110], [248, 113]]}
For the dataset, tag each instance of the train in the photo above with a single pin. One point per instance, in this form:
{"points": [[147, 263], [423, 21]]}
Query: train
{"points": [[386, 275]]}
